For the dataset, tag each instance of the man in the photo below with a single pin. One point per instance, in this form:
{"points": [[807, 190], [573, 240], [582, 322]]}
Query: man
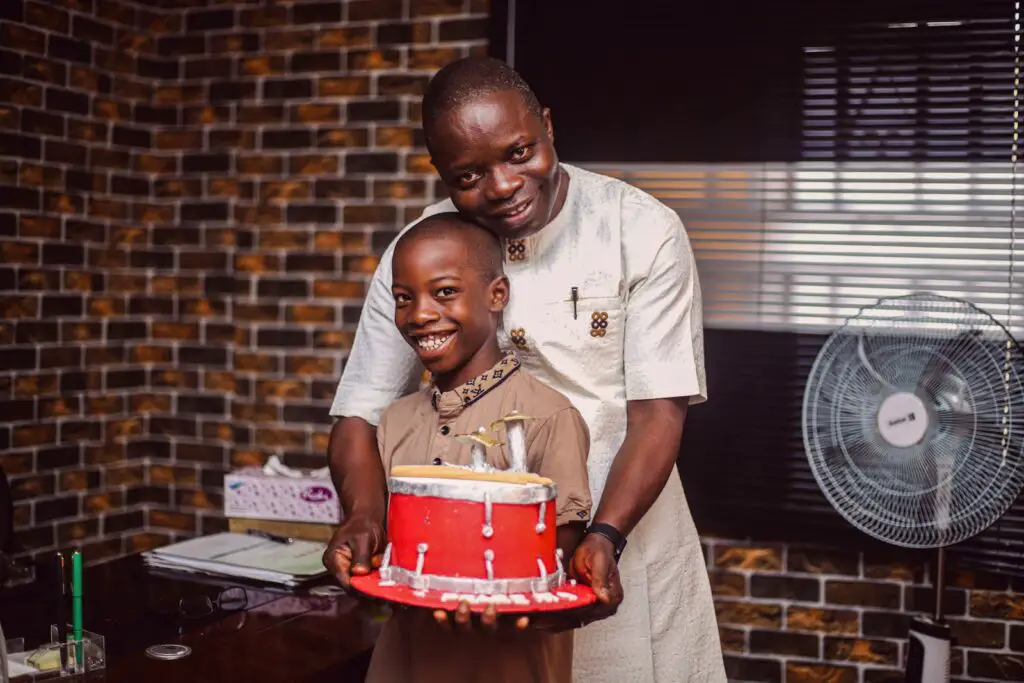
{"points": [[605, 308]]}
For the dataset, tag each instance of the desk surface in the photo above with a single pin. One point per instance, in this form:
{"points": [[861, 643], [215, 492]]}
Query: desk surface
{"points": [[279, 637]]}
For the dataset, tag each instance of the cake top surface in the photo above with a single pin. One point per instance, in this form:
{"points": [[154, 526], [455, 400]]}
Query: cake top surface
{"points": [[457, 473]]}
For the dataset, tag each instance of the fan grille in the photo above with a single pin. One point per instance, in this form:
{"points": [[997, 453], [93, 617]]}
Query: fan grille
{"points": [[942, 380]]}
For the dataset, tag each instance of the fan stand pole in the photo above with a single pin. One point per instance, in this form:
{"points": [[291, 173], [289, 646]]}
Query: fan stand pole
{"points": [[940, 583], [930, 639]]}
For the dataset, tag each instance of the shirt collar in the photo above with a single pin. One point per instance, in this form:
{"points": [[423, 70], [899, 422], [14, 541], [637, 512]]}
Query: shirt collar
{"points": [[520, 251], [450, 403]]}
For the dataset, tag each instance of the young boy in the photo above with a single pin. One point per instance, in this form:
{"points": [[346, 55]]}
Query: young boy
{"points": [[450, 290]]}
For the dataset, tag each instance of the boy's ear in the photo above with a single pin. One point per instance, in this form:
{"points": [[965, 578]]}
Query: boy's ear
{"points": [[498, 294]]}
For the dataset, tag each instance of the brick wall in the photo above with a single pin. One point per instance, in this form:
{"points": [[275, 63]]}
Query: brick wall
{"points": [[191, 200], [193, 195], [797, 614]]}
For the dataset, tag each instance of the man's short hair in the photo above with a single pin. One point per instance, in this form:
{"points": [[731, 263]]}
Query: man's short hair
{"points": [[482, 246], [468, 79]]}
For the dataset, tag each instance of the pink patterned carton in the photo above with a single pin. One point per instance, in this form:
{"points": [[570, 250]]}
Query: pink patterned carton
{"points": [[253, 493]]}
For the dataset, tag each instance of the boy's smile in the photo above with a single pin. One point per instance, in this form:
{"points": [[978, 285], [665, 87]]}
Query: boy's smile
{"points": [[445, 306]]}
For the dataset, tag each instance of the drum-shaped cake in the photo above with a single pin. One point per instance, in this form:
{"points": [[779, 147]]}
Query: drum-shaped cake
{"points": [[482, 537]]}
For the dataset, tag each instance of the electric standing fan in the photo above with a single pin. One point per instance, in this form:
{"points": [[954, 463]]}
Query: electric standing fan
{"points": [[913, 424]]}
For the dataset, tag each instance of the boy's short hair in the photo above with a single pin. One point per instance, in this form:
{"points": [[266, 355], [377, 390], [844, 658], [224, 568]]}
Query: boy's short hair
{"points": [[483, 246]]}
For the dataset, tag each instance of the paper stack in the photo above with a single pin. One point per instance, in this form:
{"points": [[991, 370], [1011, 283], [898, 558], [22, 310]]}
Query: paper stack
{"points": [[245, 557]]}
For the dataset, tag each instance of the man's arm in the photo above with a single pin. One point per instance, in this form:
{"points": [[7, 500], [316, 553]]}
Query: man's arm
{"points": [[356, 468], [644, 462]]}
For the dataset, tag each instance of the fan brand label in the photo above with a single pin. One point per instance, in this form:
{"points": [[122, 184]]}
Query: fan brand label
{"points": [[316, 494], [910, 417]]}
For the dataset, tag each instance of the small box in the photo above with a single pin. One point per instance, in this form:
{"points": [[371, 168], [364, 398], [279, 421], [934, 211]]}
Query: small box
{"points": [[253, 493]]}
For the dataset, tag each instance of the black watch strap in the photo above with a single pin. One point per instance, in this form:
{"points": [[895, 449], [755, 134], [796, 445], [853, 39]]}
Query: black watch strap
{"points": [[612, 534]]}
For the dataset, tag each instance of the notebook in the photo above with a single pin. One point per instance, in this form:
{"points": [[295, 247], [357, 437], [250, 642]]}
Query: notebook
{"points": [[244, 556]]}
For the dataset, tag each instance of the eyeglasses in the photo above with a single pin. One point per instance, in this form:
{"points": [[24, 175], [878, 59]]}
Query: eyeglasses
{"points": [[231, 599]]}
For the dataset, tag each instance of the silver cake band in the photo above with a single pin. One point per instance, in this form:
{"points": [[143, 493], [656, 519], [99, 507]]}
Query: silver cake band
{"points": [[456, 489], [454, 584]]}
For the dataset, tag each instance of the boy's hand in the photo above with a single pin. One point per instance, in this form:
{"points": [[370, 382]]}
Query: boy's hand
{"points": [[354, 549], [464, 619]]}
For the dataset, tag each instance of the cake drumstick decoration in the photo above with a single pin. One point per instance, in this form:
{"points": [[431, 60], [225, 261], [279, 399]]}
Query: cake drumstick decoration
{"points": [[516, 430], [479, 442], [476, 534]]}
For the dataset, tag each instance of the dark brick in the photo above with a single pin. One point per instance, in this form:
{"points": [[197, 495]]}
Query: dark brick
{"points": [[206, 163], [401, 84], [463, 29], [69, 49], [230, 91], [201, 405], [24, 146], [752, 669], [62, 306], [126, 329], [19, 198], [65, 153], [784, 643], [284, 89], [369, 10], [375, 110], [885, 624], [58, 99], [977, 633], [395, 33], [34, 121], [54, 457], [785, 587], [84, 28], [209, 20], [126, 379], [178, 45], [209, 67], [340, 189], [863, 593], [57, 508], [149, 67], [324, 263], [282, 337], [63, 254], [203, 355], [372, 162], [167, 116], [922, 599], [83, 181], [11, 63], [274, 289], [46, 70], [138, 187], [316, 61], [205, 211], [287, 139], [311, 213], [150, 305], [21, 410], [132, 137], [323, 12]]}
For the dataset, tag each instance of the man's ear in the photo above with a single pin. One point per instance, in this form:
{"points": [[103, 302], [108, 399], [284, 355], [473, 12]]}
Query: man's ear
{"points": [[499, 293], [545, 116]]}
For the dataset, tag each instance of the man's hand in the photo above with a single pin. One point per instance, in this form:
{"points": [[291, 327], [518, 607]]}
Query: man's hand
{"points": [[354, 549]]}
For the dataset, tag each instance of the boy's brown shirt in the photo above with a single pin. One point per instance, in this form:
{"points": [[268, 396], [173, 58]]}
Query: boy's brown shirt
{"points": [[417, 429]]}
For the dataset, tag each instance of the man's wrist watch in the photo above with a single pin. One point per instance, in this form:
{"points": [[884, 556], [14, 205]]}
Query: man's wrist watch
{"points": [[618, 541]]}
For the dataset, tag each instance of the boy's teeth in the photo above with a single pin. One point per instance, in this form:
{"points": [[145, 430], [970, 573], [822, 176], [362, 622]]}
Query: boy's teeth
{"points": [[433, 341]]}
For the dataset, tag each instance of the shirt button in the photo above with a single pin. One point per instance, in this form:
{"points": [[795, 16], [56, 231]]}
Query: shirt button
{"points": [[445, 430]]}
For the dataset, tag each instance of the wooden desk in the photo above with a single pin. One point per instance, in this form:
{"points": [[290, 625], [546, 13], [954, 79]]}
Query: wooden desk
{"points": [[278, 638]]}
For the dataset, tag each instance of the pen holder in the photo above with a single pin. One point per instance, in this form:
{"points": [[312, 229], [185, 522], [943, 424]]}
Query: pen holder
{"points": [[74, 657]]}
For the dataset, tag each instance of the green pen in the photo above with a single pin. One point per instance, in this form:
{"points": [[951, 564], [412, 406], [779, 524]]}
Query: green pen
{"points": [[76, 603]]}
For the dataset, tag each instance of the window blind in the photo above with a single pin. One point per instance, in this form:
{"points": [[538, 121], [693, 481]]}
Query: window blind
{"points": [[908, 180]]}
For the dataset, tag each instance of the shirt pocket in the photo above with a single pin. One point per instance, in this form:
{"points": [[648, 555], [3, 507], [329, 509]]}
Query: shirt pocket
{"points": [[582, 344]]}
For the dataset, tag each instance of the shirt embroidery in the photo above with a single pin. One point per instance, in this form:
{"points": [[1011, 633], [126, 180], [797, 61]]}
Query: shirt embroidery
{"points": [[481, 384]]}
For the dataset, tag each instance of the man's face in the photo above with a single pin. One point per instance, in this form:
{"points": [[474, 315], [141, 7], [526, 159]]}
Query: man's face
{"points": [[499, 163], [443, 306]]}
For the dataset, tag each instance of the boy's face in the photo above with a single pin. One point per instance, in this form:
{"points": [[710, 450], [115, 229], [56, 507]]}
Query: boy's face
{"points": [[444, 307]]}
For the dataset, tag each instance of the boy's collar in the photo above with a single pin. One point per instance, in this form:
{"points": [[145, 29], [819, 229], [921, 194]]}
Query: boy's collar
{"points": [[450, 403]]}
